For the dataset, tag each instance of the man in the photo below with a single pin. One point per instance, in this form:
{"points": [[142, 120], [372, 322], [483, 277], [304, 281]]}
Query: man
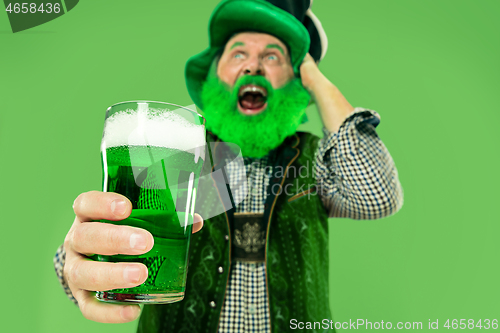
{"points": [[253, 84]]}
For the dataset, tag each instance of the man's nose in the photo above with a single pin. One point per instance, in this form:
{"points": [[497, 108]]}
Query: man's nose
{"points": [[253, 67]]}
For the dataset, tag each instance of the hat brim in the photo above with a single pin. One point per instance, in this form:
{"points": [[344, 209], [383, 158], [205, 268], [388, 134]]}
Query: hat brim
{"points": [[233, 16]]}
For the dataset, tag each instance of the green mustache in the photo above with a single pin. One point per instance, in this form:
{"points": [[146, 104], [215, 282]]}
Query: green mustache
{"points": [[251, 79]]}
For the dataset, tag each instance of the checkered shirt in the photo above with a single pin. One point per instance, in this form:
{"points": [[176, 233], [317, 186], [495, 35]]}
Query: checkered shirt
{"points": [[357, 179], [245, 306], [356, 175]]}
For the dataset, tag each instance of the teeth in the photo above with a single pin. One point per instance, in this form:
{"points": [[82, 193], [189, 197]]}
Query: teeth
{"points": [[253, 89]]}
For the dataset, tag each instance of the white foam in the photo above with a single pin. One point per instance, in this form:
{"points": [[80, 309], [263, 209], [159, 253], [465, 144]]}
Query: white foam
{"points": [[152, 127]]}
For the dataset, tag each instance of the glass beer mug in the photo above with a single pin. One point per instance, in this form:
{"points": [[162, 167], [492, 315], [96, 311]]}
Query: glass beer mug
{"points": [[153, 153]]}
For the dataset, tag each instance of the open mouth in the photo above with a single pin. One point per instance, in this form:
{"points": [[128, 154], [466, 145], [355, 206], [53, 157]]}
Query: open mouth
{"points": [[252, 99]]}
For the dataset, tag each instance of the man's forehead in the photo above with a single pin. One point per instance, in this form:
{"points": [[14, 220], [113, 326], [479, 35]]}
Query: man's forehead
{"points": [[245, 38]]}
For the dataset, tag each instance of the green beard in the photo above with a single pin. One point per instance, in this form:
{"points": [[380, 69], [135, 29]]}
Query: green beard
{"points": [[256, 135]]}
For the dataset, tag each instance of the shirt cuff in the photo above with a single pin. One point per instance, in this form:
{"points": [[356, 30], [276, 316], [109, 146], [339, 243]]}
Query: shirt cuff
{"points": [[357, 116], [59, 260]]}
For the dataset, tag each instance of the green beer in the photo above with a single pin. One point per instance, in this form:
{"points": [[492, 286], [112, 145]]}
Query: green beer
{"points": [[146, 158]]}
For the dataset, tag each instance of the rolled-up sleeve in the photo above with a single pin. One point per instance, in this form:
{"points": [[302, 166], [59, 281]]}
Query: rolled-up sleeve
{"points": [[356, 175]]}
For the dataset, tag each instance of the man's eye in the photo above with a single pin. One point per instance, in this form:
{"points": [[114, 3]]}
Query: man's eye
{"points": [[272, 57], [238, 56]]}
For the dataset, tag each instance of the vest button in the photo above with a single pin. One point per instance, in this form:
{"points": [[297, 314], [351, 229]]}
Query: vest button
{"points": [[212, 304], [220, 269], [226, 237]]}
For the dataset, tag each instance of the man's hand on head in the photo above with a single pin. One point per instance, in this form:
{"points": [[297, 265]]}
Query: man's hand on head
{"points": [[332, 105], [310, 74]]}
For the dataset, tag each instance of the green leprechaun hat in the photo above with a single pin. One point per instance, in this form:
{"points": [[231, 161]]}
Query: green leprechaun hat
{"points": [[295, 25]]}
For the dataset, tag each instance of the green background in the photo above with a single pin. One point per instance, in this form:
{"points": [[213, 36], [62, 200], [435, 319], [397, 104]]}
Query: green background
{"points": [[429, 67]]}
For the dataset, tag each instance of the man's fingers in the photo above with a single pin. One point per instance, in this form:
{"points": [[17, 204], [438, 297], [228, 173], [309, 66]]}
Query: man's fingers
{"points": [[102, 312], [110, 239], [101, 276], [96, 205], [197, 223]]}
